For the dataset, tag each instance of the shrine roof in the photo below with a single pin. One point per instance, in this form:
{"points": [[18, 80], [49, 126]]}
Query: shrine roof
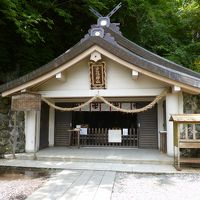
{"points": [[111, 39], [185, 118]]}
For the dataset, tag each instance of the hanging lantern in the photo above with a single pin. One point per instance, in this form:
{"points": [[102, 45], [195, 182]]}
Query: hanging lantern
{"points": [[26, 102]]}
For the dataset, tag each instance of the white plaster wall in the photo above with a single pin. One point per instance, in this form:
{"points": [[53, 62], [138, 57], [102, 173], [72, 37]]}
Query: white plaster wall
{"points": [[119, 80], [120, 77], [77, 78]]}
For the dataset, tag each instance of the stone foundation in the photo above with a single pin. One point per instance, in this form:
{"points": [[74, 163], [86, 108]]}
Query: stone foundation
{"points": [[6, 127]]}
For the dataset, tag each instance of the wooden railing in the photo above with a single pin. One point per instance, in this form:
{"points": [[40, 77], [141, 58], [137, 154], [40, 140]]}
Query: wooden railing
{"points": [[99, 137]]}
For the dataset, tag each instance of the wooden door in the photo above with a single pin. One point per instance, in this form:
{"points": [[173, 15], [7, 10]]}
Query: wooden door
{"points": [[148, 127], [63, 122]]}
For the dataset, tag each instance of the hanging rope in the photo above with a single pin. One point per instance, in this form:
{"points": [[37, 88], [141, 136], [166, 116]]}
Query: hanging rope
{"points": [[69, 109], [145, 108]]}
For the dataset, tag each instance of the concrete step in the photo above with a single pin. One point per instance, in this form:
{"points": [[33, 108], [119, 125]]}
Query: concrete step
{"points": [[101, 160], [167, 161]]}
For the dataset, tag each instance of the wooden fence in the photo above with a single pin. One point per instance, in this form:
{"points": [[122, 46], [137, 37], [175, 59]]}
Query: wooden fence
{"points": [[99, 137]]}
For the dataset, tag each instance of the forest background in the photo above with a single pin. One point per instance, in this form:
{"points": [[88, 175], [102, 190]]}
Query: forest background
{"points": [[34, 32]]}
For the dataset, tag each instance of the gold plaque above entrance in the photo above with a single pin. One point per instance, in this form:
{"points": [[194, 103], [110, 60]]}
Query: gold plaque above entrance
{"points": [[97, 75]]}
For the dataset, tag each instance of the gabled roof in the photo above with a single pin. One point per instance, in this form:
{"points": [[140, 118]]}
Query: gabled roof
{"points": [[115, 43], [185, 118]]}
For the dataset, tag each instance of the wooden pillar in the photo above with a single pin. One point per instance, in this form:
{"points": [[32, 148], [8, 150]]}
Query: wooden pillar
{"points": [[32, 131], [51, 126], [172, 107]]}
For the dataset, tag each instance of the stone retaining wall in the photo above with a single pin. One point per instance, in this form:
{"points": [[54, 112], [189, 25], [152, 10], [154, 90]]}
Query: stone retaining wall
{"points": [[191, 103], [191, 106], [6, 127]]}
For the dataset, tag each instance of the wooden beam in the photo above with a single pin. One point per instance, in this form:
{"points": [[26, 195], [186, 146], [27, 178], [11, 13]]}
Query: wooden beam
{"points": [[135, 74], [24, 90], [60, 76], [190, 145], [176, 89]]}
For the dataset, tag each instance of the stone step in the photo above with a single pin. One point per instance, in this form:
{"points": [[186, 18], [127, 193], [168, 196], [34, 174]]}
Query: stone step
{"points": [[94, 159]]}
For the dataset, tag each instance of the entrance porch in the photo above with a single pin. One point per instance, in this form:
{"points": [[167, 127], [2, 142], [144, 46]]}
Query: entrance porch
{"points": [[50, 127]]}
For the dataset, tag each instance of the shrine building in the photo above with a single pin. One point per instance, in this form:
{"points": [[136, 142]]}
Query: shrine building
{"points": [[115, 92]]}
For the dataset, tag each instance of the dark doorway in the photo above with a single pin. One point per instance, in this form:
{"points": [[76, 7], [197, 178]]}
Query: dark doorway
{"points": [[44, 126], [137, 130], [98, 125], [105, 119]]}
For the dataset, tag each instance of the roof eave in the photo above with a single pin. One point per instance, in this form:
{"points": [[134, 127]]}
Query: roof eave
{"points": [[116, 50], [140, 51]]}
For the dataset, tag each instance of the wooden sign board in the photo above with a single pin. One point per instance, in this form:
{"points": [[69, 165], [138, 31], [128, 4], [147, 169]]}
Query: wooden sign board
{"points": [[26, 102], [83, 131], [97, 75], [114, 136]]}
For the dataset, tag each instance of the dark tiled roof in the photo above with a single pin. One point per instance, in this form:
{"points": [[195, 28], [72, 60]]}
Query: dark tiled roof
{"points": [[121, 47], [131, 46]]}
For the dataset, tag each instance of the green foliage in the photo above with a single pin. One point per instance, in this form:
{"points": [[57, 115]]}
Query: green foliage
{"points": [[24, 17], [36, 31]]}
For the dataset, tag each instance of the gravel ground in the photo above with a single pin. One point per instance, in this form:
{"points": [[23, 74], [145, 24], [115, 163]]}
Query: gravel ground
{"points": [[18, 187], [127, 186], [156, 187]]}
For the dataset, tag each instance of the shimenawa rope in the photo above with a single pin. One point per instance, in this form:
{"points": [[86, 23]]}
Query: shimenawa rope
{"points": [[145, 108]]}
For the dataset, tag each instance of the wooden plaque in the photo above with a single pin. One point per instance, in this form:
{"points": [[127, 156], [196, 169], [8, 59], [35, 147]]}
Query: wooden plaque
{"points": [[26, 102], [97, 75]]}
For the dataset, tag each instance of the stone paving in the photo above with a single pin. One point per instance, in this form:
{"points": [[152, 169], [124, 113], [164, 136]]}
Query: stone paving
{"points": [[87, 180], [77, 184], [84, 177]]}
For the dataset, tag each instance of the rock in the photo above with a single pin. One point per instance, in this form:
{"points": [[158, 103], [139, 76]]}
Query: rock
{"points": [[6, 101], [5, 132], [191, 103], [3, 117], [4, 105]]}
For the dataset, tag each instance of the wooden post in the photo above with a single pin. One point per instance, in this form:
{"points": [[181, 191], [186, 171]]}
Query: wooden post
{"points": [[194, 131], [14, 136], [186, 131], [35, 157], [78, 136]]}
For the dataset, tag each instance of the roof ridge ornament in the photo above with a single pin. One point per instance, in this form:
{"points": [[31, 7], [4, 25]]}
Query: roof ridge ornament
{"points": [[105, 20], [114, 10]]}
